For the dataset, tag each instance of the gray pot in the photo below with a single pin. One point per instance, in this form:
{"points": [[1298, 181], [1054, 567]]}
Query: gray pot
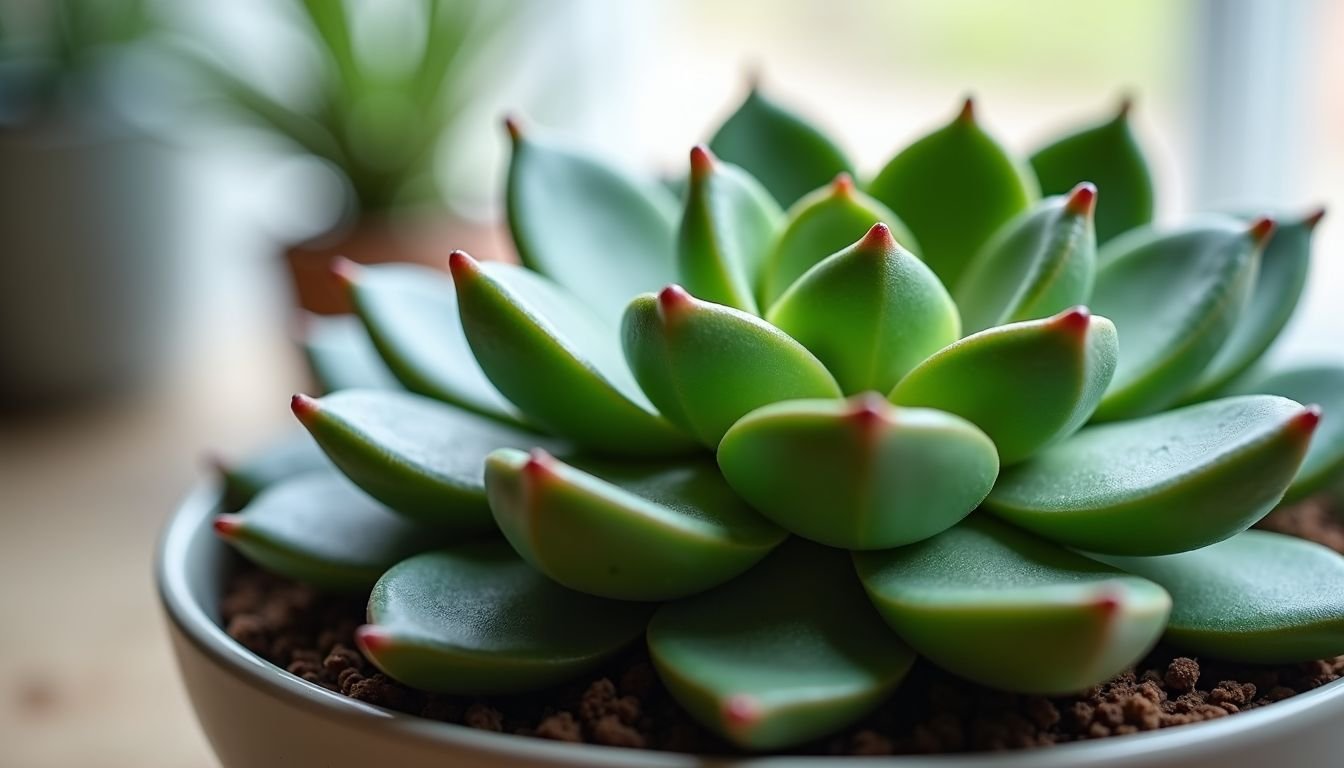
{"points": [[257, 715], [88, 256]]}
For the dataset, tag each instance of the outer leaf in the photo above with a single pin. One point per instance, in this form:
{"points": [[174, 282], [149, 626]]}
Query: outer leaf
{"points": [[1026, 385], [1005, 609], [790, 156], [1109, 156], [422, 458], [1323, 467], [279, 461], [871, 313], [320, 529], [1167, 483], [954, 188], [820, 224], [554, 359], [341, 356], [476, 620], [1278, 286], [726, 231], [706, 365], [787, 653], [1174, 297], [411, 316], [1258, 597], [625, 531], [858, 475], [1040, 263], [598, 231]]}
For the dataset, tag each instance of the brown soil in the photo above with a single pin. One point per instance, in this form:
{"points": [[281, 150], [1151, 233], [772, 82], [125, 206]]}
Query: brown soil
{"points": [[624, 704]]}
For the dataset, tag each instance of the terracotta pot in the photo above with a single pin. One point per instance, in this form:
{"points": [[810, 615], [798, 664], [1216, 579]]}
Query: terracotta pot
{"points": [[378, 241], [256, 714]]}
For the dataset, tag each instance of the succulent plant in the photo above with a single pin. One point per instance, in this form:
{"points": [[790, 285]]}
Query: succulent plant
{"points": [[795, 449]]}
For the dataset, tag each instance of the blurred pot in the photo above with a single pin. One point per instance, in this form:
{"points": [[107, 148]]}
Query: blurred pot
{"points": [[88, 221]]}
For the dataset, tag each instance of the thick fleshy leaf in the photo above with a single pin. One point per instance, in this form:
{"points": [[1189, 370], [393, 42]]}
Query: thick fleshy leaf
{"points": [[422, 458], [1321, 385], [1109, 156], [320, 529], [1026, 385], [870, 313], [411, 316], [626, 531], [273, 464], [788, 652], [1278, 286], [706, 365], [1161, 484], [1258, 597], [475, 619], [1000, 607], [954, 188], [727, 228], [787, 154], [557, 361], [1040, 263], [860, 474], [341, 356], [821, 224], [599, 231], [1174, 298]]}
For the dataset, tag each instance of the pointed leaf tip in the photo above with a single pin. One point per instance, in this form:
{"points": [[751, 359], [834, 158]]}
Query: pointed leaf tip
{"points": [[514, 127], [1075, 319], [967, 114], [462, 265], [345, 270], [539, 463], [843, 185], [741, 711], [1314, 218], [702, 161], [869, 409], [1308, 419], [1125, 107], [673, 300], [304, 407], [1082, 199], [1261, 229], [372, 640], [227, 526], [878, 239]]}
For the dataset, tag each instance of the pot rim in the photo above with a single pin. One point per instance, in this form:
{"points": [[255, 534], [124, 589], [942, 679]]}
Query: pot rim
{"points": [[192, 519]]}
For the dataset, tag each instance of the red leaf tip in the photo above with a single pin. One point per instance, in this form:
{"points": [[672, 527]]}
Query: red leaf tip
{"points": [[539, 463], [843, 185], [741, 711], [1314, 218], [878, 239], [345, 270], [702, 161], [462, 265], [514, 127], [1307, 421], [1261, 229], [967, 113], [372, 639], [869, 409], [227, 526], [673, 300], [304, 407], [1082, 199], [1074, 319]]}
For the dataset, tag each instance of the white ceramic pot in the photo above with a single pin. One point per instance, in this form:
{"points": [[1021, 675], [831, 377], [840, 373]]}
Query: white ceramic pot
{"points": [[257, 715]]}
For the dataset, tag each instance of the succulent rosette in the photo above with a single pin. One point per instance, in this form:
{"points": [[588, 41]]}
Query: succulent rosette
{"points": [[795, 431]]}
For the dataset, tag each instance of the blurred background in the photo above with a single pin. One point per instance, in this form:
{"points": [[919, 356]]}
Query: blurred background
{"points": [[175, 175]]}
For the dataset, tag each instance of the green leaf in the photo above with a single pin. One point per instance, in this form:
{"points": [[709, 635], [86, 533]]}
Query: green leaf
{"points": [[1002, 608], [1174, 298], [422, 458], [1322, 385], [790, 156], [593, 228], [625, 531], [1040, 263], [1027, 385], [870, 313], [279, 461], [341, 356], [552, 357], [320, 529], [706, 365], [1258, 597], [859, 474], [954, 188], [787, 653], [411, 316], [727, 228], [1109, 156], [476, 620], [1278, 286], [1162, 484], [820, 224]]}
